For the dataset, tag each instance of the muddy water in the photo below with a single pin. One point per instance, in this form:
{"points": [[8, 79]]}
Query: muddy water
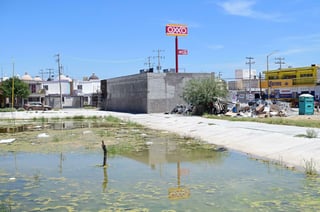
{"points": [[59, 168]]}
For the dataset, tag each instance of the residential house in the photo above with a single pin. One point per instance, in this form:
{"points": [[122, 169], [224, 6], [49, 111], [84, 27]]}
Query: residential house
{"points": [[89, 89]]}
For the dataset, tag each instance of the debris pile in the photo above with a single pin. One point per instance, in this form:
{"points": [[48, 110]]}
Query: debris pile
{"points": [[182, 109], [260, 108], [218, 106]]}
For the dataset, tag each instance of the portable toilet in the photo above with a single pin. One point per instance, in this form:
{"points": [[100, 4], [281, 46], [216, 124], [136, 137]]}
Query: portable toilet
{"points": [[306, 104]]}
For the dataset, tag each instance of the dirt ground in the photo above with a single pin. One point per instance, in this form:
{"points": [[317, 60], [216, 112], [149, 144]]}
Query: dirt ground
{"points": [[295, 116]]}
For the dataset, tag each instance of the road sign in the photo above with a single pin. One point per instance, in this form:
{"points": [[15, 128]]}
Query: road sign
{"points": [[182, 52]]}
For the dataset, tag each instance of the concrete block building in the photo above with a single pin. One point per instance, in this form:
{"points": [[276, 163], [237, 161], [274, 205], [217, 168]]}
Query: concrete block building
{"points": [[146, 92]]}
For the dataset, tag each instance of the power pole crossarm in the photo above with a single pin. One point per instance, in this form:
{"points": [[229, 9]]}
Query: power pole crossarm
{"points": [[280, 61]]}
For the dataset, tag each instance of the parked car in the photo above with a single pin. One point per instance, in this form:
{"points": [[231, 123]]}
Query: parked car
{"points": [[36, 106]]}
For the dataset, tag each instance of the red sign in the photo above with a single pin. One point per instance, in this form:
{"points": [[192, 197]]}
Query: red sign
{"points": [[184, 172], [182, 51], [178, 193], [176, 30]]}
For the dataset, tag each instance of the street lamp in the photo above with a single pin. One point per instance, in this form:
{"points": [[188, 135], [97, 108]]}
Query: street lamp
{"points": [[268, 86]]}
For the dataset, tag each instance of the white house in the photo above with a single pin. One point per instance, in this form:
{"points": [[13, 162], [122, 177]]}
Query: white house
{"points": [[73, 93], [53, 87], [89, 88]]}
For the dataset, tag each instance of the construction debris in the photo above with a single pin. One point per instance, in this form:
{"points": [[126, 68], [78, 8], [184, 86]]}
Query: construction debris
{"points": [[182, 109], [261, 108]]}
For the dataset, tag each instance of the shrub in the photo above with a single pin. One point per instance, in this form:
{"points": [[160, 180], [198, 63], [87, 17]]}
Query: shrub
{"points": [[311, 133], [310, 168]]}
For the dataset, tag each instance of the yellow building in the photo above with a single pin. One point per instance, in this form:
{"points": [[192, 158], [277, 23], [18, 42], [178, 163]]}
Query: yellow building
{"points": [[291, 82]]}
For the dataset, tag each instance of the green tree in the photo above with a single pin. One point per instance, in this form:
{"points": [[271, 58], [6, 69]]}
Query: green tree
{"points": [[21, 89], [201, 92]]}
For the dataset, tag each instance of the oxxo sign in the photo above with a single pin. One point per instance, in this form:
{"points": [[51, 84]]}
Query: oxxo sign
{"points": [[176, 30]]}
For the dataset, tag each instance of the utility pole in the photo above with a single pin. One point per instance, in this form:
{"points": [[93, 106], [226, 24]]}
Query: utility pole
{"points": [[149, 64], [268, 82], [260, 85], [250, 62], [59, 70], [280, 61], [50, 72], [42, 72], [12, 94], [159, 57]]}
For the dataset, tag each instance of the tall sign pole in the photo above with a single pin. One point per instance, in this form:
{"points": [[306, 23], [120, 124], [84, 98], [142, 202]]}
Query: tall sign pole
{"points": [[177, 60], [12, 91], [177, 30]]}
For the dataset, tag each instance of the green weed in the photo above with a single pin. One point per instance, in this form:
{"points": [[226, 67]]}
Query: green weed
{"points": [[310, 167]]}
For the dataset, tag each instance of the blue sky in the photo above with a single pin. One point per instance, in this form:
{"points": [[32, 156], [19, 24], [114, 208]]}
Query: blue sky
{"points": [[114, 38]]}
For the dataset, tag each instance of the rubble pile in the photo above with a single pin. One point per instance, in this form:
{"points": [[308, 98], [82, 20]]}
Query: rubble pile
{"points": [[260, 108], [182, 109]]}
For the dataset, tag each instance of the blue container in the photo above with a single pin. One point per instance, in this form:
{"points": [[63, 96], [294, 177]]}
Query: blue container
{"points": [[306, 104]]}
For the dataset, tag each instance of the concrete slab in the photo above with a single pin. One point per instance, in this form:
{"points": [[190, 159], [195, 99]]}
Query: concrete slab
{"points": [[273, 142]]}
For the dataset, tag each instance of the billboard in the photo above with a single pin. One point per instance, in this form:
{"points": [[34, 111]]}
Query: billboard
{"points": [[176, 30]]}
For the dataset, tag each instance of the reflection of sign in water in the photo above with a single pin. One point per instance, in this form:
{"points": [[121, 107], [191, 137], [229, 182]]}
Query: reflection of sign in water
{"points": [[184, 172], [178, 193]]}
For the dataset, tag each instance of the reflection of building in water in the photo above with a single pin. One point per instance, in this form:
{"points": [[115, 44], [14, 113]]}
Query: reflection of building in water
{"points": [[70, 125], [159, 150], [166, 150]]}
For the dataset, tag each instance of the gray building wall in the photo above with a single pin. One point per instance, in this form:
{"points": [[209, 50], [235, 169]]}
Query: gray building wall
{"points": [[147, 92], [68, 101], [127, 94]]}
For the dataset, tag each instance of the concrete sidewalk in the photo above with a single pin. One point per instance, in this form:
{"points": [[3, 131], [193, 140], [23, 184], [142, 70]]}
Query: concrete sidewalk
{"points": [[276, 143], [273, 142]]}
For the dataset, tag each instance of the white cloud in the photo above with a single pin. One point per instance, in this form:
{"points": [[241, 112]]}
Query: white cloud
{"points": [[242, 8], [245, 8]]}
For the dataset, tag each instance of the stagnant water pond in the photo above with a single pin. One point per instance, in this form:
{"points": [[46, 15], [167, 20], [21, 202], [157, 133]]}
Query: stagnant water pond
{"points": [[57, 167]]}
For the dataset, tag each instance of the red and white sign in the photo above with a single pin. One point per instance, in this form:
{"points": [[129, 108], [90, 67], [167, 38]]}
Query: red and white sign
{"points": [[182, 52], [176, 30], [184, 172], [178, 193]]}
